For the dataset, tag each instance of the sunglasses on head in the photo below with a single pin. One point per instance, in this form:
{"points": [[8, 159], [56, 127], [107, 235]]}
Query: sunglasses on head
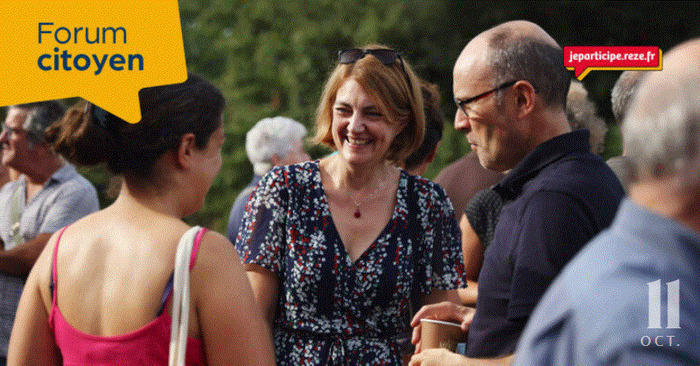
{"points": [[384, 55]]}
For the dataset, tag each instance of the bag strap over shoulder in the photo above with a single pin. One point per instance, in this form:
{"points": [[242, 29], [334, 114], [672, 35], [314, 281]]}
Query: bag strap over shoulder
{"points": [[181, 298]]}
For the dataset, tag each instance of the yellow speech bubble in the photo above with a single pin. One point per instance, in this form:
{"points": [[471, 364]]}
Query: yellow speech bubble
{"points": [[103, 51]]}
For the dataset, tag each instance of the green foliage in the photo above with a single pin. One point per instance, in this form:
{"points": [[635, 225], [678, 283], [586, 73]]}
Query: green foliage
{"points": [[272, 57]]}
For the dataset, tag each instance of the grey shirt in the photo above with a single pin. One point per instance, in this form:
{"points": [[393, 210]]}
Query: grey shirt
{"points": [[631, 297], [65, 198]]}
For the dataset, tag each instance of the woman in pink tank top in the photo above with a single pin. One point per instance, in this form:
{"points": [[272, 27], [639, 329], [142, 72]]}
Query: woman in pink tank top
{"points": [[99, 294]]}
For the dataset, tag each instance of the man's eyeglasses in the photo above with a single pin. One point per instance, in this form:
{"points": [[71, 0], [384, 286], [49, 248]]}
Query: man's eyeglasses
{"points": [[384, 55], [462, 103]]}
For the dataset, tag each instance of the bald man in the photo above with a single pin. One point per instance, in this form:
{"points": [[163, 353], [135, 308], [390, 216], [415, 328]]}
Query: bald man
{"points": [[510, 85]]}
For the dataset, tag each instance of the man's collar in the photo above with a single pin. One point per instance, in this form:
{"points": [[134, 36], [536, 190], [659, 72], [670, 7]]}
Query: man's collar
{"points": [[543, 155], [67, 171]]}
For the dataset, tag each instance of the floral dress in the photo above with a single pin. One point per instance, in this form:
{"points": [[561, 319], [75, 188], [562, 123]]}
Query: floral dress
{"points": [[331, 310]]}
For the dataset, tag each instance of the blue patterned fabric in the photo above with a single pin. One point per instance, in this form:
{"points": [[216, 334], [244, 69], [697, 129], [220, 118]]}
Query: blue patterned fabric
{"points": [[331, 310]]}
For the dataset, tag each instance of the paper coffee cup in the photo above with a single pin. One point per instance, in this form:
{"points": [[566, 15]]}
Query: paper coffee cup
{"points": [[439, 334]]}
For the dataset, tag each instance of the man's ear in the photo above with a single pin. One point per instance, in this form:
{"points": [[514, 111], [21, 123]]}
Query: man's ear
{"points": [[525, 94], [185, 151]]}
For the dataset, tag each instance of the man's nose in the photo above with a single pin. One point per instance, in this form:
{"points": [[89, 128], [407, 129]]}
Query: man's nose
{"points": [[462, 121]]}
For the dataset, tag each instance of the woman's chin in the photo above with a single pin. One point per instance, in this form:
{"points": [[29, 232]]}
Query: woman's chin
{"points": [[357, 156]]}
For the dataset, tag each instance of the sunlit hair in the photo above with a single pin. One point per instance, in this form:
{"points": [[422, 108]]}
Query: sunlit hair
{"points": [[398, 100], [583, 114], [40, 115], [622, 92]]}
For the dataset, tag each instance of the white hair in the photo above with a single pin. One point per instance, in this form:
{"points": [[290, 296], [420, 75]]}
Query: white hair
{"points": [[269, 137], [662, 126], [582, 113], [622, 92]]}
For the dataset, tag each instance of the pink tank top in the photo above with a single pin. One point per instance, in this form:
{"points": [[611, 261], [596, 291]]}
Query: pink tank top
{"points": [[148, 345]]}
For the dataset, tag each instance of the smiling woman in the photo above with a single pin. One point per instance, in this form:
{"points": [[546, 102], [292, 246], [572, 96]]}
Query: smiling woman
{"points": [[360, 131], [391, 84], [336, 249]]}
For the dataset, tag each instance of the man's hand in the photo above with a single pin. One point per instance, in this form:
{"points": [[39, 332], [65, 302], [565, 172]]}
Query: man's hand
{"points": [[446, 311], [438, 357], [443, 357]]}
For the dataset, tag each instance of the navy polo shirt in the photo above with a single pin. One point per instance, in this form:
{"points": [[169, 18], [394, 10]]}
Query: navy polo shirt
{"points": [[559, 197]]}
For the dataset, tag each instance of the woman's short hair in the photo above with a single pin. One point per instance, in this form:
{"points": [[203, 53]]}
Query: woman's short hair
{"points": [[394, 87], [90, 135], [269, 137], [623, 90]]}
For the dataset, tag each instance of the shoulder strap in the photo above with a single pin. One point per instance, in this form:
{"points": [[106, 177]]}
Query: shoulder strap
{"points": [[168, 290], [184, 260], [195, 245], [54, 267], [16, 208]]}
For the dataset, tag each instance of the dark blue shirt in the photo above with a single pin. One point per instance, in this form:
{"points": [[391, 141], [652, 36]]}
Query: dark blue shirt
{"points": [[559, 196], [599, 311], [235, 218]]}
